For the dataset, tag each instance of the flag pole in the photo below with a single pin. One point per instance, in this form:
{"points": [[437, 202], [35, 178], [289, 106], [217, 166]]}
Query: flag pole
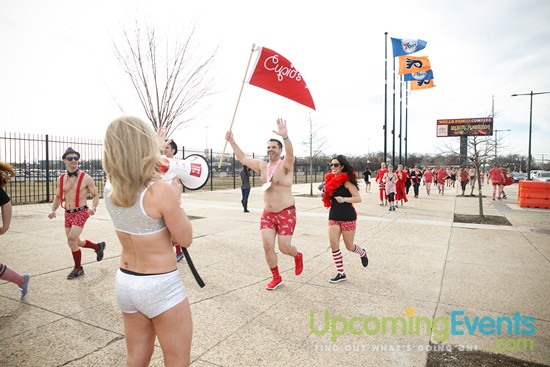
{"points": [[238, 100], [406, 119], [386, 100], [393, 126], [400, 114]]}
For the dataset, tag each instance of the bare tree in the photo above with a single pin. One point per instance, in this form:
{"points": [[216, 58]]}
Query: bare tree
{"points": [[315, 144], [170, 83], [480, 151]]}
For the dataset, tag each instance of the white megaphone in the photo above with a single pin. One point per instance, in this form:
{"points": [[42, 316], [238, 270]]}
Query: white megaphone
{"points": [[193, 171]]}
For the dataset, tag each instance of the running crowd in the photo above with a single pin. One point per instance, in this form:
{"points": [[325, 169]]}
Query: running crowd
{"points": [[154, 231], [394, 185]]}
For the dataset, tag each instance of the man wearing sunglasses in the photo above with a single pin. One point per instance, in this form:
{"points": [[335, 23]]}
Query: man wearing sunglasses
{"points": [[75, 186]]}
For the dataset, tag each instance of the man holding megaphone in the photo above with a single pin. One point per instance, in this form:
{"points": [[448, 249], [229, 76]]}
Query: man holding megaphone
{"points": [[279, 216], [193, 172], [169, 150]]}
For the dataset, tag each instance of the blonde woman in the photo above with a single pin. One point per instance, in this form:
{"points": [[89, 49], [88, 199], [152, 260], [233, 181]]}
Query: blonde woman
{"points": [[147, 216]]}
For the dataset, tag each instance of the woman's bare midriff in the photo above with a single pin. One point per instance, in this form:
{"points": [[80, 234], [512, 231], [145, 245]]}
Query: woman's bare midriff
{"points": [[147, 254]]}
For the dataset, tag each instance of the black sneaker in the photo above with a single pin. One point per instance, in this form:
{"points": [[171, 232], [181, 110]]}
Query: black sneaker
{"points": [[75, 273], [99, 252], [340, 277], [365, 259]]}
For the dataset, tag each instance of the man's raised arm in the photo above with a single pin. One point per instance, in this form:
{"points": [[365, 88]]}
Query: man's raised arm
{"points": [[254, 164]]}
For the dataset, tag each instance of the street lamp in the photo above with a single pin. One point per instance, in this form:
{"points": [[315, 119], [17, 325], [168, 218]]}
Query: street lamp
{"points": [[530, 128], [496, 145]]}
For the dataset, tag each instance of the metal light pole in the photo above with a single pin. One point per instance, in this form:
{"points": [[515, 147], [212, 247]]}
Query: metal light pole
{"points": [[496, 144], [530, 127]]}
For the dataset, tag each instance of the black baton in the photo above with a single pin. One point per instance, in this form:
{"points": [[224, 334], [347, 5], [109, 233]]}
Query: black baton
{"points": [[198, 278]]}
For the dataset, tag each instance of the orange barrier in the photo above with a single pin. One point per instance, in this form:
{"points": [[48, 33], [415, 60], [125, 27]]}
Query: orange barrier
{"points": [[534, 194]]}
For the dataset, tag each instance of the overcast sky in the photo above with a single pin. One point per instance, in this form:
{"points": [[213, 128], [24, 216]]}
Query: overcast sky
{"points": [[59, 75]]}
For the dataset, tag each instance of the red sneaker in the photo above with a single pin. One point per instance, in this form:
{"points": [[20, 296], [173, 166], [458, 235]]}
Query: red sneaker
{"points": [[275, 282], [299, 262]]}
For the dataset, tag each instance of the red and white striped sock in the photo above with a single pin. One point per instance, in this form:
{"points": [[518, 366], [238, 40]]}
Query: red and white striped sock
{"points": [[358, 250], [337, 257]]}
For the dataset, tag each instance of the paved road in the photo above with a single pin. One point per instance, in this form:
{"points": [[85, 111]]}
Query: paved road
{"points": [[424, 270]]}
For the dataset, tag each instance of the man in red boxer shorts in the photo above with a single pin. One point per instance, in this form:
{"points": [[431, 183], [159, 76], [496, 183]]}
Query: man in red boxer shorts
{"points": [[279, 216], [282, 222], [77, 217], [75, 186]]}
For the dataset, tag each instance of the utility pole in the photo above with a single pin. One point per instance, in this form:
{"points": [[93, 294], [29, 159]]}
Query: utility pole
{"points": [[530, 127]]}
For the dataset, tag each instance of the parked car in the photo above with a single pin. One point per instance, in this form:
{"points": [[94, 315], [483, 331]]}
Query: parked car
{"points": [[543, 176], [518, 176]]}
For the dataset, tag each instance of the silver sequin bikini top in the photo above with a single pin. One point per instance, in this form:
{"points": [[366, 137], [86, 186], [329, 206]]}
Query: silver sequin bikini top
{"points": [[132, 220]]}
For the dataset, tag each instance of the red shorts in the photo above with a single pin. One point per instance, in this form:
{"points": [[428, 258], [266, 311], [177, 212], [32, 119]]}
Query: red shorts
{"points": [[348, 225], [283, 222], [76, 217]]}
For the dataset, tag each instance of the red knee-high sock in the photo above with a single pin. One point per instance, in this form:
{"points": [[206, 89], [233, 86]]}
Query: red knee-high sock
{"points": [[90, 244], [275, 272], [338, 260], [6, 273], [77, 256]]}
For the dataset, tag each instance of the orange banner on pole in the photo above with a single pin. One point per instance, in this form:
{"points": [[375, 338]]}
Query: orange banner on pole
{"points": [[413, 64], [422, 84]]}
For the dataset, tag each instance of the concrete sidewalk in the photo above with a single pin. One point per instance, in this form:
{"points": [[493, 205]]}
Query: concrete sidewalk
{"points": [[423, 268]]}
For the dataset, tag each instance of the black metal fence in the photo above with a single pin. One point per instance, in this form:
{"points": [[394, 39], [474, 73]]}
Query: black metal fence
{"points": [[37, 161]]}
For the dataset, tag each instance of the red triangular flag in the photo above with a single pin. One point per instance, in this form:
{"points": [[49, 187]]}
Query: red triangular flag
{"points": [[276, 74]]}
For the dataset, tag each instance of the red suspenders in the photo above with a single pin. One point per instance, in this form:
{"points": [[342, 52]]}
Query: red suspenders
{"points": [[80, 178]]}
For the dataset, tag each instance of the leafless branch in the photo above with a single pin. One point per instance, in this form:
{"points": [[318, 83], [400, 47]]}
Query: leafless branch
{"points": [[167, 93]]}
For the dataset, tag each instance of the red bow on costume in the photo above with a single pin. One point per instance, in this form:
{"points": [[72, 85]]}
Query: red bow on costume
{"points": [[333, 182]]}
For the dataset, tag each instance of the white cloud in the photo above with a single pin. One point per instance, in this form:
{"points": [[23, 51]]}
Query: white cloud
{"points": [[61, 76]]}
